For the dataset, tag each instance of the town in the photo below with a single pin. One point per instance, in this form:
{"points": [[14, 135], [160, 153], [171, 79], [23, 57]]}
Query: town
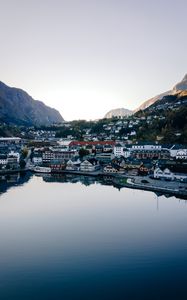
{"points": [[141, 164]]}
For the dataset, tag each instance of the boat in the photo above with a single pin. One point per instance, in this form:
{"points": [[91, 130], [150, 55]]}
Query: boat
{"points": [[38, 169]]}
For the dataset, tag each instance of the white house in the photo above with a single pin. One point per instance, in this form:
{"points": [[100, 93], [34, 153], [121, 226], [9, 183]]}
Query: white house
{"points": [[178, 151], [166, 174], [120, 150], [181, 154], [37, 159], [14, 154], [3, 159], [89, 165], [73, 165], [109, 169]]}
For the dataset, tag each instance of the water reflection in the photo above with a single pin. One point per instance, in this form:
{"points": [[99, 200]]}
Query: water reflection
{"points": [[17, 179], [13, 180], [77, 237]]}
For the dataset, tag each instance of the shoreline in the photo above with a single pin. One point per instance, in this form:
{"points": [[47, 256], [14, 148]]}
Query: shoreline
{"points": [[177, 189], [121, 181]]}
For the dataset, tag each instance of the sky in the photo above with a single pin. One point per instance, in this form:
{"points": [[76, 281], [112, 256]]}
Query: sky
{"points": [[86, 57]]}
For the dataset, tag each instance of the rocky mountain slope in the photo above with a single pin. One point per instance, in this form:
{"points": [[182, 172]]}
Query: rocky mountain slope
{"points": [[118, 112], [179, 87], [17, 107]]}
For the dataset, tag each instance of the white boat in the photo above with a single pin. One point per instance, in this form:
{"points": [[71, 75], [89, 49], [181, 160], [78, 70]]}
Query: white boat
{"points": [[38, 169]]}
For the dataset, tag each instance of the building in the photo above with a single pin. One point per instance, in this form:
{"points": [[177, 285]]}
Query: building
{"points": [[37, 159], [10, 140], [3, 159], [110, 169], [48, 156], [104, 157], [12, 161], [57, 166], [150, 154], [165, 174], [146, 146], [181, 154], [107, 146], [14, 154], [178, 149], [73, 165], [89, 165], [120, 150]]}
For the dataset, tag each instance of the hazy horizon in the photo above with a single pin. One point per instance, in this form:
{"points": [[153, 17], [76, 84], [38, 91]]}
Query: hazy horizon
{"points": [[85, 58]]}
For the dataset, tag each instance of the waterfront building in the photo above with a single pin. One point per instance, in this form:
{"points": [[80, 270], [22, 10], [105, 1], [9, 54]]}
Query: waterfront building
{"points": [[73, 165], [49, 155], [165, 174], [89, 165]]}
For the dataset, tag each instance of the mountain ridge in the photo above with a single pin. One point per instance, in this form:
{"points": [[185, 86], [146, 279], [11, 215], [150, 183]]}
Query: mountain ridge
{"points": [[179, 87], [19, 108]]}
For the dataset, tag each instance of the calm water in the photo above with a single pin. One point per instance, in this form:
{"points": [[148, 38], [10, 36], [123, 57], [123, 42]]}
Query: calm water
{"points": [[74, 238]]}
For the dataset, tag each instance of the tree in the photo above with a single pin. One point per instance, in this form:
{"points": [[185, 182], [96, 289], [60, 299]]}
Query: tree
{"points": [[22, 164], [83, 152], [24, 152]]}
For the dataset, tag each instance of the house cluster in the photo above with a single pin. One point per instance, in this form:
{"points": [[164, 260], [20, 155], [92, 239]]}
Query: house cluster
{"points": [[38, 135], [108, 156], [125, 128], [10, 152], [164, 105], [66, 155], [166, 174], [54, 157], [152, 151]]}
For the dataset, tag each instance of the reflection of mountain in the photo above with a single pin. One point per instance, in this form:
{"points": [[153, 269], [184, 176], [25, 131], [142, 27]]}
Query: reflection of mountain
{"points": [[12, 180]]}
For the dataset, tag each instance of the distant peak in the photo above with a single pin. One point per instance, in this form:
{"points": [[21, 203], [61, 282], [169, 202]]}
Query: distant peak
{"points": [[118, 112], [185, 78]]}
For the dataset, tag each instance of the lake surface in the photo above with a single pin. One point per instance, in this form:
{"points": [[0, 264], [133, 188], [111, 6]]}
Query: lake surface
{"points": [[77, 238]]}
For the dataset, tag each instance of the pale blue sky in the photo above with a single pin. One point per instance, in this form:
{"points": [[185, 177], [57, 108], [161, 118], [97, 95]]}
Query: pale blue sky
{"points": [[85, 57]]}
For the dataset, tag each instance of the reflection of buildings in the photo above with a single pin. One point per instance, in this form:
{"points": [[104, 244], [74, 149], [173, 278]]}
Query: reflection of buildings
{"points": [[85, 180], [11, 180]]}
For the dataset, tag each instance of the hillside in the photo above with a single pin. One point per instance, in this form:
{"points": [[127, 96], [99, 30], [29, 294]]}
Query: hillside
{"points": [[181, 86], [169, 117], [17, 107]]}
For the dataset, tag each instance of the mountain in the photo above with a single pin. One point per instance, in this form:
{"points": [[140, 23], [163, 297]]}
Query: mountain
{"points": [[118, 112], [19, 108], [179, 87]]}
